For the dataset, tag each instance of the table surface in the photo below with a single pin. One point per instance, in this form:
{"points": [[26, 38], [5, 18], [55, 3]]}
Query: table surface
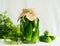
{"points": [[53, 43]]}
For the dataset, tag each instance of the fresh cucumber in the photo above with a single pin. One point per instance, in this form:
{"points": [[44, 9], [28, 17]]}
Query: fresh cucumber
{"points": [[35, 36], [47, 33], [45, 39], [29, 32], [53, 37], [22, 28], [26, 22]]}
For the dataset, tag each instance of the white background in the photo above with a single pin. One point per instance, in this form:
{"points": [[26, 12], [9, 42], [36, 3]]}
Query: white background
{"points": [[48, 12]]}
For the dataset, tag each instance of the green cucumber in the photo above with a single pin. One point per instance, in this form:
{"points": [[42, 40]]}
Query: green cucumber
{"points": [[35, 36], [26, 22], [46, 33], [29, 32], [22, 28], [53, 37], [45, 39]]}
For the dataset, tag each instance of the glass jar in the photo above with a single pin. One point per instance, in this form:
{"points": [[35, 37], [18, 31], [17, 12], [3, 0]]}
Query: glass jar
{"points": [[29, 29]]}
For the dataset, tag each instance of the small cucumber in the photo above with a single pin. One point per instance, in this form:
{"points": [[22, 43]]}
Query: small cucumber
{"points": [[46, 33], [29, 32], [53, 37], [35, 36], [45, 39], [22, 28], [26, 22]]}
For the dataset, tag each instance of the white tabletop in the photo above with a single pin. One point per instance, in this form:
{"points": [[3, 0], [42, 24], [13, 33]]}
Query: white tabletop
{"points": [[53, 43]]}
